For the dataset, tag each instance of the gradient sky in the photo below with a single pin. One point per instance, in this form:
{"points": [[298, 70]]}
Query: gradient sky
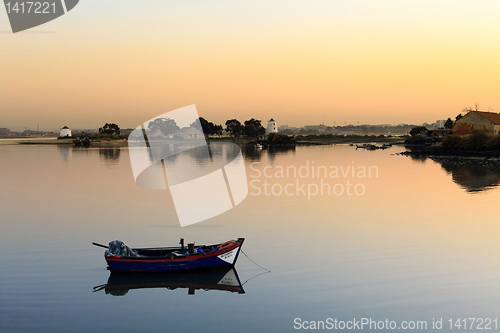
{"points": [[301, 62]]}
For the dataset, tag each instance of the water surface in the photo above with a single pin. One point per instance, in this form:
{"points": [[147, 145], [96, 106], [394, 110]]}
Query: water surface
{"points": [[417, 241]]}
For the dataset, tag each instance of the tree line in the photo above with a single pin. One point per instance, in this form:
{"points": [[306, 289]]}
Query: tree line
{"points": [[167, 126], [252, 127], [234, 127]]}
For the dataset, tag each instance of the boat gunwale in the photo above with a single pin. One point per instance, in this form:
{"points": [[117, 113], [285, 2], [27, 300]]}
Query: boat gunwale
{"points": [[192, 257]]}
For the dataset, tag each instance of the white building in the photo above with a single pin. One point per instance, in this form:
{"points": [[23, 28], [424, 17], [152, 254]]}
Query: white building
{"points": [[156, 134], [440, 123], [187, 133], [271, 127], [65, 131]]}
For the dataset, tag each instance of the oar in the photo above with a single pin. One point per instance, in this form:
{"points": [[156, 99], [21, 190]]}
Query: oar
{"points": [[97, 244], [99, 288]]}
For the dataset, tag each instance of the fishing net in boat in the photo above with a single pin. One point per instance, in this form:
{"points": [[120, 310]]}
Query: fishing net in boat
{"points": [[119, 248]]}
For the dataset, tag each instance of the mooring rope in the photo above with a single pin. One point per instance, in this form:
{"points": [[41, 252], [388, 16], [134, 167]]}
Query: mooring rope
{"points": [[268, 271], [253, 277]]}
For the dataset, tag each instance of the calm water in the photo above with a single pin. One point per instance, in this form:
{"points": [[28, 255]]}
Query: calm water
{"points": [[406, 240]]}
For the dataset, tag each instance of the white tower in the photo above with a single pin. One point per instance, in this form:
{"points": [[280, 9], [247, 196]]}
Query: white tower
{"points": [[65, 131], [271, 127]]}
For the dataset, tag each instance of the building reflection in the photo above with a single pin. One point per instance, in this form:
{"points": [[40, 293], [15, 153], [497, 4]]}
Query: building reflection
{"points": [[419, 158], [470, 175], [65, 151]]}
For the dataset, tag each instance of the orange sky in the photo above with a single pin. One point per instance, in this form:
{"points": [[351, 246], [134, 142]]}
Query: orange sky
{"points": [[297, 61]]}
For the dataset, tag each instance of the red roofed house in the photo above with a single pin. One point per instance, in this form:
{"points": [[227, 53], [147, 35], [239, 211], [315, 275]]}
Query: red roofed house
{"points": [[476, 121]]}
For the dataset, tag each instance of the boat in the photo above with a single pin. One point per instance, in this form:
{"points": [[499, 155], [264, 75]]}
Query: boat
{"points": [[366, 145], [121, 258], [85, 142], [221, 279]]}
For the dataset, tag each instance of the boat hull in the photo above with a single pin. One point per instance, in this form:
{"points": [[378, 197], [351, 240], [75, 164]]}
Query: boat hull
{"points": [[225, 257]]}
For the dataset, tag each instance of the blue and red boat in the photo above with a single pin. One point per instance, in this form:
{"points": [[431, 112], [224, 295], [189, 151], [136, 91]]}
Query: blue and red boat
{"points": [[121, 258]]}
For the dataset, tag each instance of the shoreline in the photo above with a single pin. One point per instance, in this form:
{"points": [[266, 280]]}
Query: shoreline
{"points": [[304, 141], [479, 157], [51, 141]]}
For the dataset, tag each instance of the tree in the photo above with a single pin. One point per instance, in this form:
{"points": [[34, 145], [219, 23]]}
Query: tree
{"points": [[416, 130], [207, 127], [280, 138], [253, 127], [467, 110], [110, 129], [448, 124], [234, 127], [200, 124], [217, 130], [165, 125]]}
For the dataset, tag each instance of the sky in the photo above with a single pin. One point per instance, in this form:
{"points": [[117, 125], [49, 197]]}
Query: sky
{"points": [[299, 62]]}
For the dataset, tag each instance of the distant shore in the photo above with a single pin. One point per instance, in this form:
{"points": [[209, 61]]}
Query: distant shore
{"points": [[480, 156], [306, 140], [300, 140], [54, 141]]}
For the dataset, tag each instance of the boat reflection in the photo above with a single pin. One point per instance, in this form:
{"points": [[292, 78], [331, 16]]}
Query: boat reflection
{"points": [[110, 154], [223, 279]]}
